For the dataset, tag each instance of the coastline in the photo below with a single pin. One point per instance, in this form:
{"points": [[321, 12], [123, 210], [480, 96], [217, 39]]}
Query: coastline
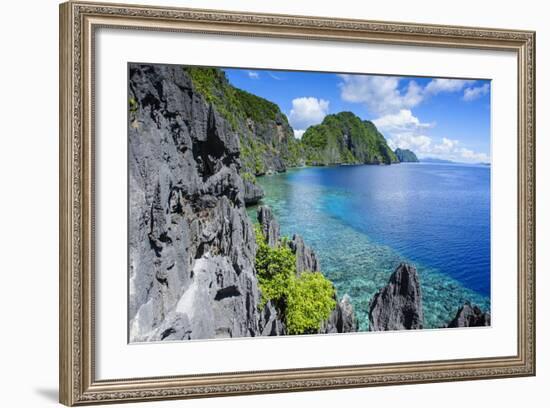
{"points": [[443, 293]]}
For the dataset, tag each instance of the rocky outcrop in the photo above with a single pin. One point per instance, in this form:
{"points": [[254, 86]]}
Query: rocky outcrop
{"points": [[306, 260], [191, 243], [252, 193], [398, 305], [270, 226], [270, 321], [470, 316], [406, 156], [342, 319]]}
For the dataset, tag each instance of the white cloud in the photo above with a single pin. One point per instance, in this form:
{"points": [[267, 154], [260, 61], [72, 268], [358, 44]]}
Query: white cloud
{"points": [[393, 103], [404, 120], [469, 155], [307, 111], [447, 146], [276, 77], [447, 149], [439, 85], [253, 75], [383, 95], [473, 93], [298, 133], [420, 144]]}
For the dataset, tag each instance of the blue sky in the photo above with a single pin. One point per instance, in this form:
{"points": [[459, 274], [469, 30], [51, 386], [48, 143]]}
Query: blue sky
{"points": [[434, 117]]}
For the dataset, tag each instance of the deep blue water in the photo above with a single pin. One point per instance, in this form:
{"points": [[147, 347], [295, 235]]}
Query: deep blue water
{"points": [[363, 220]]}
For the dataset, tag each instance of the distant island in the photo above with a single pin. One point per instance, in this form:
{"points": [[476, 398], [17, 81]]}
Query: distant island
{"points": [[435, 160]]}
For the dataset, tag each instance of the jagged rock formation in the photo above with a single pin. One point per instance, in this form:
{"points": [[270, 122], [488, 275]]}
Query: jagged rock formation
{"points": [[191, 243], [270, 226], [306, 260], [470, 316], [406, 156], [342, 319], [271, 323], [398, 305], [344, 138], [252, 192]]}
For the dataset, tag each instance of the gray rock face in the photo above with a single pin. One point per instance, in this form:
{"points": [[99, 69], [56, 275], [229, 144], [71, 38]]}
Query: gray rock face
{"points": [[277, 138], [470, 316], [398, 305], [306, 260], [342, 319], [191, 244], [270, 226], [271, 323], [252, 193]]}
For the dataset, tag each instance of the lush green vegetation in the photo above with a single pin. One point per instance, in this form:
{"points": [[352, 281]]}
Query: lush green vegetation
{"points": [[214, 87], [294, 154], [344, 138], [405, 155], [252, 153], [247, 176], [310, 301], [304, 301], [258, 109], [263, 129], [232, 103], [266, 136]]}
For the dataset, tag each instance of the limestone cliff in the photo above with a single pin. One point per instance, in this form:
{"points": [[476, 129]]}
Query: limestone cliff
{"points": [[191, 243], [192, 246]]}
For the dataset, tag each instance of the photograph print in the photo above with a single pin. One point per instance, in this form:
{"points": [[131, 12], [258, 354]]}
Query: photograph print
{"points": [[271, 203]]}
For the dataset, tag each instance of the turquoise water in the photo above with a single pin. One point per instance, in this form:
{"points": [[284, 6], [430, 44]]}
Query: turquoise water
{"points": [[362, 221]]}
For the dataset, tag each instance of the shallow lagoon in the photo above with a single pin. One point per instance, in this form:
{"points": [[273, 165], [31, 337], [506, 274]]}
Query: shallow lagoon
{"points": [[362, 221]]}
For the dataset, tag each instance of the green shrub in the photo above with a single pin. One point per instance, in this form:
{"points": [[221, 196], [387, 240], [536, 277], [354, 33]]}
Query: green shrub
{"points": [[247, 176], [310, 301], [304, 301], [133, 105], [276, 268]]}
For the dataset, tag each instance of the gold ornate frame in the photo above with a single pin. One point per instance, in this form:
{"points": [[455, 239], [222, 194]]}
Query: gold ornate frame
{"points": [[78, 22]]}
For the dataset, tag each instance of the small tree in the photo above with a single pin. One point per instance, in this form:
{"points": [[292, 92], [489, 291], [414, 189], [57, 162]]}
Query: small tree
{"points": [[310, 301], [305, 301]]}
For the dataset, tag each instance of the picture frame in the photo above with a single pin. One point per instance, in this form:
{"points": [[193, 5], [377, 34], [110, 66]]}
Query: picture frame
{"points": [[79, 22]]}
